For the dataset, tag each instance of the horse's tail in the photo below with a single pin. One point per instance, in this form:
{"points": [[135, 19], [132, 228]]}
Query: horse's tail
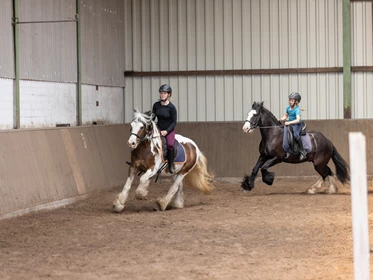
{"points": [[341, 167], [199, 177]]}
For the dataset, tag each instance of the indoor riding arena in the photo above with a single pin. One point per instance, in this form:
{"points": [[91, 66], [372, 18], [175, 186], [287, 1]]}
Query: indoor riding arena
{"points": [[72, 72]]}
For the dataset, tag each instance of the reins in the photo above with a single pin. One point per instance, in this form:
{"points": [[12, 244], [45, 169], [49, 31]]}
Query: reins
{"points": [[256, 125], [279, 126]]}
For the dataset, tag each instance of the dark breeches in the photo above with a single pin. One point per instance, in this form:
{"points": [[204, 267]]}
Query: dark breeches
{"points": [[170, 138]]}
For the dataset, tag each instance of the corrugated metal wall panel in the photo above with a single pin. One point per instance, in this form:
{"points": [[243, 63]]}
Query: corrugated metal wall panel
{"points": [[230, 98], [47, 51], [248, 34], [103, 57], [362, 52], [6, 39]]}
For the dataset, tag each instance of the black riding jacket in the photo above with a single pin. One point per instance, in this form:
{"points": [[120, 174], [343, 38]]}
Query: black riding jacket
{"points": [[166, 115]]}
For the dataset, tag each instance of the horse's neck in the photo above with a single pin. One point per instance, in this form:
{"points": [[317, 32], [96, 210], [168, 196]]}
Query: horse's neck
{"points": [[270, 125], [268, 119]]}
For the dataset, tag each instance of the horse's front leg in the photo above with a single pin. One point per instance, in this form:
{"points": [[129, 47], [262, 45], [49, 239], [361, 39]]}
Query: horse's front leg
{"points": [[164, 201], [248, 181], [122, 197], [268, 177], [142, 189], [315, 186]]}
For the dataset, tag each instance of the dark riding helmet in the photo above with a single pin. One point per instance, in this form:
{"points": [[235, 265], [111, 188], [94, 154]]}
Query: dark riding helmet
{"points": [[296, 96], [165, 88]]}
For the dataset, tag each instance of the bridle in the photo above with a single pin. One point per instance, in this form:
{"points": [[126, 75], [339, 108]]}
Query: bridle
{"points": [[146, 136], [255, 125], [141, 139]]}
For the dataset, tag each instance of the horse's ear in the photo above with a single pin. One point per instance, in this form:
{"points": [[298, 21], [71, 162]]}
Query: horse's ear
{"points": [[254, 105], [261, 104], [148, 113]]}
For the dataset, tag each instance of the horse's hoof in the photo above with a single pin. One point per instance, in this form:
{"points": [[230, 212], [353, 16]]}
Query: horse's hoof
{"points": [[333, 191], [311, 191], [118, 208], [140, 197], [161, 204], [268, 178], [177, 205], [245, 191]]}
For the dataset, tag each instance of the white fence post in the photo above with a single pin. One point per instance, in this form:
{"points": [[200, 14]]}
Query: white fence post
{"points": [[359, 201]]}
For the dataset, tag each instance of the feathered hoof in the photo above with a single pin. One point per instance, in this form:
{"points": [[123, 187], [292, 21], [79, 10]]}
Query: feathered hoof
{"points": [[177, 204], [118, 208], [247, 184], [311, 191], [140, 196], [268, 178], [162, 204], [332, 190]]}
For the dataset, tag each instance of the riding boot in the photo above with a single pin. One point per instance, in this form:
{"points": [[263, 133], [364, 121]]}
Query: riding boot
{"points": [[303, 153], [171, 166]]}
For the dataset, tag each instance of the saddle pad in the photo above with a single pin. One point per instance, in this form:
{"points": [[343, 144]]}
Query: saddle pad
{"points": [[306, 140], [180, 152]]}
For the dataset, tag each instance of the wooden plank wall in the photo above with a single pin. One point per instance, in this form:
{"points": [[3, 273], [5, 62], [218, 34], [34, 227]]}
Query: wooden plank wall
{"points": [[44, 166]]}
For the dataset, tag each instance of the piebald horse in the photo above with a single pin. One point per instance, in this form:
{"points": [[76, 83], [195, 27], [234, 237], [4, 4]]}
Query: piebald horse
{"points": [[146, 156], [272, 152]]}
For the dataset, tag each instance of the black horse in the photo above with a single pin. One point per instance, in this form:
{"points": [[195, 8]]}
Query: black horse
{"points": [[272, 152]]}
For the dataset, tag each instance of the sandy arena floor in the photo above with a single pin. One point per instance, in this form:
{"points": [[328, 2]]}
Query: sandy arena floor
{"points": [[276, 232]]}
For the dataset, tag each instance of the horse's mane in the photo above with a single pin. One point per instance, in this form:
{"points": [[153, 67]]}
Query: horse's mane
{"points": [[271, 115], [146, 118]]}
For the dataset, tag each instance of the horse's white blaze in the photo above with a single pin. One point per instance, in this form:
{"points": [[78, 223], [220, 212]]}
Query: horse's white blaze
{"points": [[132, 141], [247, 126]]}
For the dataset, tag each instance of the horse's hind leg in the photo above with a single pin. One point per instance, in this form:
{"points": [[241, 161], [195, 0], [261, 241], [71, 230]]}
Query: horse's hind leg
{"points": [[324, 172], [164, 201], [122, 197], [178, 201], [142, 189], [332, 185]]}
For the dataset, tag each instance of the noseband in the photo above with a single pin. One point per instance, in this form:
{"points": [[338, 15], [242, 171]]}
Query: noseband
{"points": [[137, 136], [253, 126], [146, 136]]}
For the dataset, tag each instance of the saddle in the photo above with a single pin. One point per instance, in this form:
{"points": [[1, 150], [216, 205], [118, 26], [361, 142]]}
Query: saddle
{"points": [[291, 140], [179, 152], [165, 150]]}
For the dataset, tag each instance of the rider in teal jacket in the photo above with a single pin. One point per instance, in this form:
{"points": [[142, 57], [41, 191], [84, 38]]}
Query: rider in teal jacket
{"points": [[294, 119]]}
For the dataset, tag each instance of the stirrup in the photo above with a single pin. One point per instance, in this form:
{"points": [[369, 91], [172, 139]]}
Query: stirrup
{"points": [[287, 155], [303, 155]]}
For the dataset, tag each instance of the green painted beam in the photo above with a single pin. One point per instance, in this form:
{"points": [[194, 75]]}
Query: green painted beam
{"points": [[17, 107], [79, 64], [347, 59]]}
